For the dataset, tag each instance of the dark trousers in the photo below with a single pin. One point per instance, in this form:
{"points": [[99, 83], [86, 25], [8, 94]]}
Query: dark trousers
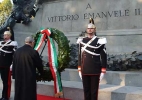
{"points": [[6, 80], [90, 86]]}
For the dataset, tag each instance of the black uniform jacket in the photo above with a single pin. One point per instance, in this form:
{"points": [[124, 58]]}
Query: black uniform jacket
{"points": [[92, 64], [6, 53]]}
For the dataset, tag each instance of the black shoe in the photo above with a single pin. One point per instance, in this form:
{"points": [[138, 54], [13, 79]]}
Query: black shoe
{"points": [[3, 99]]}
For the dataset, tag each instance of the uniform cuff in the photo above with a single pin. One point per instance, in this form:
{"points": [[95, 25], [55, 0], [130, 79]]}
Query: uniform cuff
{"points": [[103, 70]]}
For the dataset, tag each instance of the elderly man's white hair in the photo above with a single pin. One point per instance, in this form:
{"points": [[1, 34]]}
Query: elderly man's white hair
{"points": [[8, 33], [29, 39]]}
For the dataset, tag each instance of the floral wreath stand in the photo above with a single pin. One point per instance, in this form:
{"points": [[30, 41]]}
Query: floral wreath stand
{"points": [[57, 63]]}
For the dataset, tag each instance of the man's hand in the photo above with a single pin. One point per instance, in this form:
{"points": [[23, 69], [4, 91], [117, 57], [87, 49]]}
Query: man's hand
{"points": [[101, 76]]}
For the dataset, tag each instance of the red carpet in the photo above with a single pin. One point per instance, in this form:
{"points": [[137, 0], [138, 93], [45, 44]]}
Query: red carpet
{"points": [[42, 97]]}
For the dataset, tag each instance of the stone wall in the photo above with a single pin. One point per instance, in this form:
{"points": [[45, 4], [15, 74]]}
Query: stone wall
{"points": [[117, 20]]}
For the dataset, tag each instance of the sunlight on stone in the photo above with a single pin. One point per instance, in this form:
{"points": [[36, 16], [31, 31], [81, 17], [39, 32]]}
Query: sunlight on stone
{"points": [[73, 10], [97, 20], [68, 6], [139, 0]]}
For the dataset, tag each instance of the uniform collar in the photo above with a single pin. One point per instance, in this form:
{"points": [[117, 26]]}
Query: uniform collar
{"points": [[8, 40], [27, 45], [92, 37]]}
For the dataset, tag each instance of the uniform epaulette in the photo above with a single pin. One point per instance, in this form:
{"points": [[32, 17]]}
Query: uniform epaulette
{"points": [[102, 40], [1, 43], [14, 43], [79, 39]]}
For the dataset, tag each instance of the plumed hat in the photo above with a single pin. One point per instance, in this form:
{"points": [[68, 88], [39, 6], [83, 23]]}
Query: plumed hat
{"points": [[91, 23], [8, 31]]}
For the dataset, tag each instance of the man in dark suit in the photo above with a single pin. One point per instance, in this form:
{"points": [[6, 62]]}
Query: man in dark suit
{"points": [[25, 62], [7, 48], [92, 61]]}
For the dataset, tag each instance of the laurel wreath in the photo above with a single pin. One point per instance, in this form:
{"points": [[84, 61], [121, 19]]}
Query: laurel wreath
{"points": [[63, 53]]}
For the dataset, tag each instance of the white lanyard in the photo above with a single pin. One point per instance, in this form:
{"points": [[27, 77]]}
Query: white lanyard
{"points": [[83, 48], [5, 45], [91, 46]]}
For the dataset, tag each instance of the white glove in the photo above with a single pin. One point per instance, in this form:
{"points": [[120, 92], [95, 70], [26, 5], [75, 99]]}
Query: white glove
{"points": [[101, 76], [11, 67], [80, 75]]}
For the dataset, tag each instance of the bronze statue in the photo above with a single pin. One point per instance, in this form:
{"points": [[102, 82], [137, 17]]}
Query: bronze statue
{"points": [[22, 12]]}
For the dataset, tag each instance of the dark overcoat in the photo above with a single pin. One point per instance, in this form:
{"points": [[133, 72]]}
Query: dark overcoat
{"points": [[25, 62]]}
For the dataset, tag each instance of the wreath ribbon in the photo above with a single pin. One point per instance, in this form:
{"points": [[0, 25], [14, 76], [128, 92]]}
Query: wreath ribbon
{"points": [[52, 56]]}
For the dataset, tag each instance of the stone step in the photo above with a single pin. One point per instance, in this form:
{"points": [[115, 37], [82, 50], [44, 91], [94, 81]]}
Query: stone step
{"points": [[74, 91], [122, 78], [111, 77]]}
